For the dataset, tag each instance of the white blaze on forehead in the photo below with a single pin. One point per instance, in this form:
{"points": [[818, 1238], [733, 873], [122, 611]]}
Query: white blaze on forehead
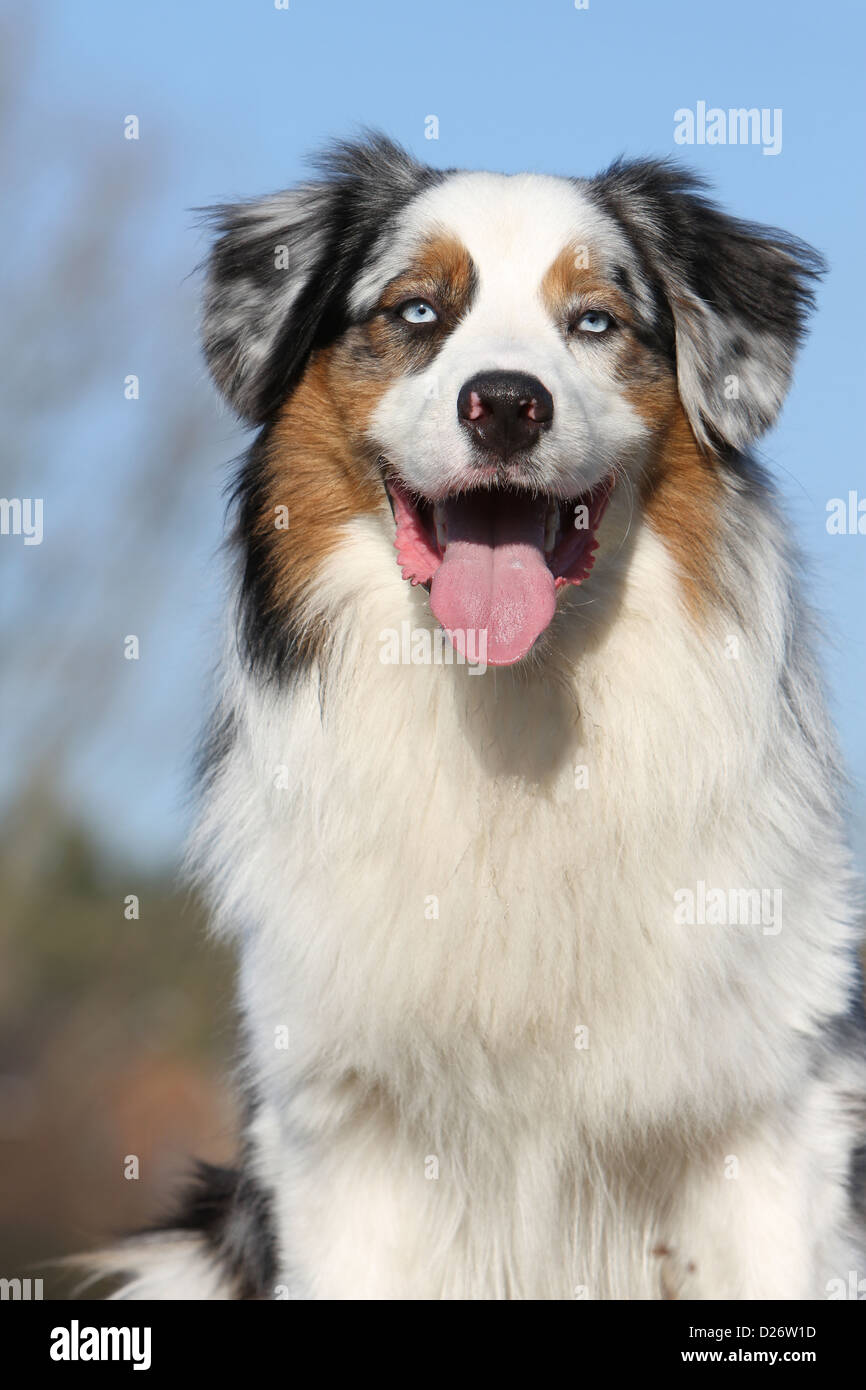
{"points": [[514, 226]]}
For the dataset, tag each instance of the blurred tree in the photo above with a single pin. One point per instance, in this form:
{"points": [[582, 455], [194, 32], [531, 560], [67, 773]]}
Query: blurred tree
{"points": [[97, 260], [114, 1031]]}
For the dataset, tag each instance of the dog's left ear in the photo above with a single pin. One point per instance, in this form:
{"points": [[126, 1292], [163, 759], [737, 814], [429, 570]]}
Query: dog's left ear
{"points": [[739, 295]]}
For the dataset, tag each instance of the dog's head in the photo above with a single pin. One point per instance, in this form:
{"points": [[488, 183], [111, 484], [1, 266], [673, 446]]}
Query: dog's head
{"points": [[491, 354]]}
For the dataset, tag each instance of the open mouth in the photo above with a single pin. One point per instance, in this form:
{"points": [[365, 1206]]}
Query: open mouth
{"points": [[494, 560]]}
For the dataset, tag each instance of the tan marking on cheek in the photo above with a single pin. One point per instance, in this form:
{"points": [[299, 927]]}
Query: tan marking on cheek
{"points": [[320, 464], [681, 488], [321, 467], [681, 493], [649, 385]]}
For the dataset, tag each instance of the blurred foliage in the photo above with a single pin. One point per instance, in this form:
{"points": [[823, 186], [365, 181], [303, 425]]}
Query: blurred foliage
{"points": [[97, 252], [115, 1034], [116, 1037]]}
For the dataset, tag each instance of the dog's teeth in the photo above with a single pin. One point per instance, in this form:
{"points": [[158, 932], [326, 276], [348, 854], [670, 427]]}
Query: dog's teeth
{"points": [[551, 526], [440, 525]]}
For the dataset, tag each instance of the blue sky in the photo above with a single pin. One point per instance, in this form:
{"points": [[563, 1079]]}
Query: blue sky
{"points": [[235, 92]]}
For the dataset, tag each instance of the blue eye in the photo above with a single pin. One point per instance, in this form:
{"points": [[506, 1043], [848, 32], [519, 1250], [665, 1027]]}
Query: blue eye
{"points": [[594, 321], [418, 311]]}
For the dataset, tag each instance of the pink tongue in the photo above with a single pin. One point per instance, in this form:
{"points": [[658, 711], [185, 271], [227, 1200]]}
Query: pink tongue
{"points": [[494, 586]]}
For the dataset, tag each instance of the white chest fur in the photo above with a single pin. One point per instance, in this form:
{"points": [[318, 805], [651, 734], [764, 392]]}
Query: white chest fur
{"points": [[490, 862], [457, 896]]}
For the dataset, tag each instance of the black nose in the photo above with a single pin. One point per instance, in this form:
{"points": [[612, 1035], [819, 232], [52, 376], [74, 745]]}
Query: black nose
{"points": [[505, 411]]}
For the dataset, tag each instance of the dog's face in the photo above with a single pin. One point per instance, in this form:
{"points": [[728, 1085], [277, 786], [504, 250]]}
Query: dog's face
{"points": [[494, 354], [518, 324], [527, 367]]}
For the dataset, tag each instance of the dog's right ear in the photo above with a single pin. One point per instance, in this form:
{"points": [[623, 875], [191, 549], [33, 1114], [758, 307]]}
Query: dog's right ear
{"points": [[281, 268], [267, 253]]}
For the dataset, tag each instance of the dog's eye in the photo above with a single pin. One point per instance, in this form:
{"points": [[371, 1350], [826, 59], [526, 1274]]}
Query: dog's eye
{"points": [[594, 321], [417, 311]]}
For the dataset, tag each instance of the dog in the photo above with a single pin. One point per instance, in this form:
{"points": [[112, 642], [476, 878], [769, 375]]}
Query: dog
{"points": [[520, 801]]}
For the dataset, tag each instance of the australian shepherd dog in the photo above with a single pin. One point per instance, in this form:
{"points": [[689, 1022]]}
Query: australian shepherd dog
{"points": [[520, 800]]}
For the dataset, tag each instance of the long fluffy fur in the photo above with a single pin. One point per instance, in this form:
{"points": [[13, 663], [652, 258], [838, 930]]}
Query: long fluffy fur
{"points": [[510, 1073]]}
